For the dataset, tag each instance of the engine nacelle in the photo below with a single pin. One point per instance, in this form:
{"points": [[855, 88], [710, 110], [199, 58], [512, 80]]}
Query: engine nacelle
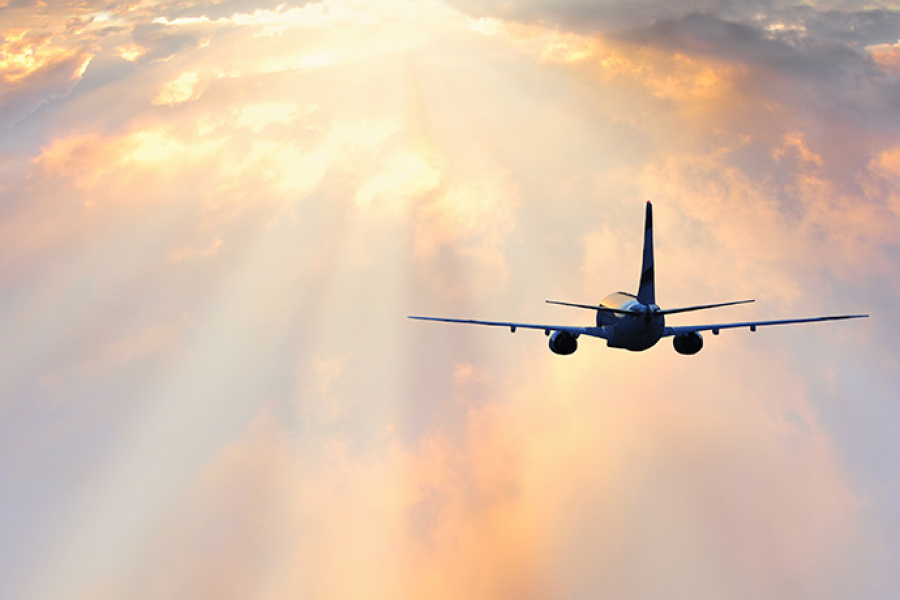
{"points": [[563, 342], [688, 343]]}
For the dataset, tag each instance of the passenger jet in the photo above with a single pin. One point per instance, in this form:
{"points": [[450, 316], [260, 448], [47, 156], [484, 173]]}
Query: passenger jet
{"points": [[636, 323]]}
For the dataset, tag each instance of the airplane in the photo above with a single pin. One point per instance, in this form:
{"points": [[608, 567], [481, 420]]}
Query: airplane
{"points": [[635, 322]]}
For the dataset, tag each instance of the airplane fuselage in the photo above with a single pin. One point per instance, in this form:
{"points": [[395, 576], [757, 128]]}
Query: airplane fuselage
{"points": [[634, 332]]}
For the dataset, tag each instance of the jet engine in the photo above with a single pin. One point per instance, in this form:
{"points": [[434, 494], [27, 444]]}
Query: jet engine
{"points": [[688, 343], [563, 342]]}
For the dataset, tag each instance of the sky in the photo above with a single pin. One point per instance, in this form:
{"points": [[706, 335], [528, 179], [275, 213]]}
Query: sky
{"points": [[216, 216]]}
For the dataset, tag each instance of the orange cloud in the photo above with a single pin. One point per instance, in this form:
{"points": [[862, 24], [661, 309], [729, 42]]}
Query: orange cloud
{"points": [[181, 89], [186, 252], [554, 487], [34, 69], [674, 77], [24, 54], [344, 171], [887, 56]]}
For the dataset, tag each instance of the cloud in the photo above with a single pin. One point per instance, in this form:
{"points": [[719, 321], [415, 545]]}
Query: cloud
{"points": [[162, 43], [533, 500], [35, 71], [774, 234], [823, 22], [185, 253], [887, 56], [706, 35], [774, 46], [182, 89], [211, 242], [861, 28]]}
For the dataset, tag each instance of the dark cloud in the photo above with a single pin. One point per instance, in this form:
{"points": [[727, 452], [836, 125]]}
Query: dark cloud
{"points": [[220, 9], [833, 89], [857, 28], [794, 55], [607, 16], [710, 36], [773, 19]]}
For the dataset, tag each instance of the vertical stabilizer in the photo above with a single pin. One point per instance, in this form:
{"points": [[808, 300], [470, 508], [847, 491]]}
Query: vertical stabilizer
{"points": [[647, 289]]}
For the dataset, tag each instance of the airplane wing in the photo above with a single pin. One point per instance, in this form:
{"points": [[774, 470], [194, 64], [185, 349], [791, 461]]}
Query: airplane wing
{"points": [[598, 332], [752, 325]]}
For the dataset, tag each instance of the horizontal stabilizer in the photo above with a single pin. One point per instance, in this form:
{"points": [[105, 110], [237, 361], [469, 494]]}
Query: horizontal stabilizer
{"points": [[672, 311], [626, 311], [598, 308]]}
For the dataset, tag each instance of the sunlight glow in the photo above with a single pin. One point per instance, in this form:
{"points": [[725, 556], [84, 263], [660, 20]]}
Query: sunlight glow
{"points": [[217, 216], [182, 89], [24, 53], [404, 178]]}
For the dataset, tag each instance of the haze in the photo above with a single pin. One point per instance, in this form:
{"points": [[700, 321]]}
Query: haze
{"points": [[215, 216]]}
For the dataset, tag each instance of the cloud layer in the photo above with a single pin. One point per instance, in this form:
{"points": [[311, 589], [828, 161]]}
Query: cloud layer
{"points": [[216, 216]]}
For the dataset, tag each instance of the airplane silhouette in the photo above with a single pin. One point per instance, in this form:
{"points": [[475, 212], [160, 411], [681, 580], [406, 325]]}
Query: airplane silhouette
{"points": [[636, 323]]}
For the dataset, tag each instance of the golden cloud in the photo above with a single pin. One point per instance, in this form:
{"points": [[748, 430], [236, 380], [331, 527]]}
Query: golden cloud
{"points": [[404, 177], [886, 56], [550, 491], [24, 54], [182, 89], [565, 477], [186, 252], [885, 169], [114, 163]]}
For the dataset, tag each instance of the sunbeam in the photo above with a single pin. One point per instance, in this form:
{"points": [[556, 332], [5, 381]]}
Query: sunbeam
{"points": [[217, 214]]}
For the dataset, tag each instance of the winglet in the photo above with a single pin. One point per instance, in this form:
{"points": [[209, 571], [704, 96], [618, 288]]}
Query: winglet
{"points": [[647, 288]]}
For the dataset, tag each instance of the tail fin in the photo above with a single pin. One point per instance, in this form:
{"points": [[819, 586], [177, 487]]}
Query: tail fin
{"points": [[647, 288]]}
